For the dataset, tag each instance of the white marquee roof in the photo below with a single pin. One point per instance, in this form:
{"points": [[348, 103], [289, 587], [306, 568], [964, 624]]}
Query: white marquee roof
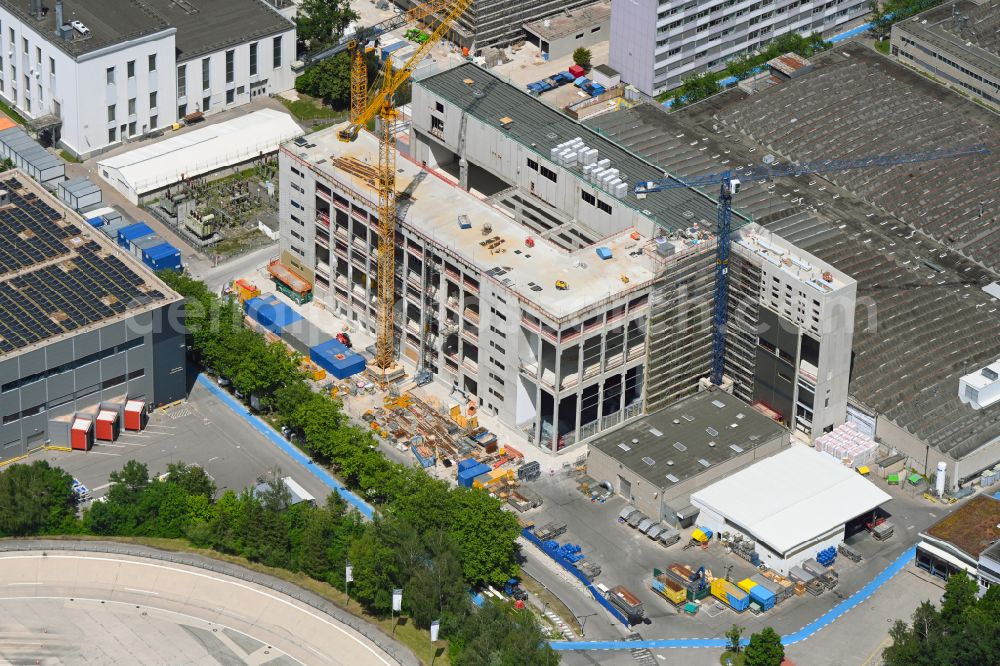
{"points": [[792, 497], [193, 153]]}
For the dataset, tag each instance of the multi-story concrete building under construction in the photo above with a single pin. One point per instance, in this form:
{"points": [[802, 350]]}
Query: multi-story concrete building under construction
{"points": [[528, 274]]}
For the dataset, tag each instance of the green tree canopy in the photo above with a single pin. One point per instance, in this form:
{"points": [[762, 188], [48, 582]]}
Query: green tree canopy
{"points": [[765, 649], [322, 22], [964, 631], [36, 499], [498, 634], [581, 56]]}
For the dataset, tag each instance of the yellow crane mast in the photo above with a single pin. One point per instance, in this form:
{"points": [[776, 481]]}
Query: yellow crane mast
{"points": [[356, 48], [381, 106]]}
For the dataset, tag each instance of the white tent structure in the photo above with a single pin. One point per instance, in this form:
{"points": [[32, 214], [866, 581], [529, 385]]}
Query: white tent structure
{"points": [[793, 504], [198, 152]]}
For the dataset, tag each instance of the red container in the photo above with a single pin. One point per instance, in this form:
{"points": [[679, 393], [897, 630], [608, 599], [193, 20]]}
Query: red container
{"points": [[81, 435], [135, 415], [107, 426], [577, 71]]}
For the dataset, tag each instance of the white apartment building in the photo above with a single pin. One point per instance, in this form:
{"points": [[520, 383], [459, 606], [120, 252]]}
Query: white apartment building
{"points": [[90, 74], [655, 44]]}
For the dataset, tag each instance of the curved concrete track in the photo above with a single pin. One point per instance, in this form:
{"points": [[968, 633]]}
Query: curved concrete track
{"points": [[92, 607]]}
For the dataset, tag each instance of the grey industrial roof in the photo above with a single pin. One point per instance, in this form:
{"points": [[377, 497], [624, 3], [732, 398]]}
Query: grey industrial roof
{"points": [[216, 24], [922, 322], [708, 427], [202, 25], [967, 32], [606, 70], [109, 21], [541, 128], [571, 21]]}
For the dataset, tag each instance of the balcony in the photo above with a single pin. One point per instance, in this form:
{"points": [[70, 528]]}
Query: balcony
{"points": [[470, 365], [591, 371], [340, 230], [470, 334], [323, 219], [636, 351], [530, 368], [471, 315]]}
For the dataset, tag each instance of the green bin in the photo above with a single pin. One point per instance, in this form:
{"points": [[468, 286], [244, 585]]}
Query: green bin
{"points": [[914, 478], [892, 479]]}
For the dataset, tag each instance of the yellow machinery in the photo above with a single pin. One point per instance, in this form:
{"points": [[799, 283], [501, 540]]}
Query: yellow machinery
{"points": [[561, 285], [381, 105]]}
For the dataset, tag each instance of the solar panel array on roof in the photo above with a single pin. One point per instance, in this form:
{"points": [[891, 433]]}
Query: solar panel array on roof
{"points": [[41, 298]]}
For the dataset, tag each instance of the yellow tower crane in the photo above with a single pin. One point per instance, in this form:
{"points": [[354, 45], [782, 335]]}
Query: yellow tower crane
{"points": [[380, 105]]}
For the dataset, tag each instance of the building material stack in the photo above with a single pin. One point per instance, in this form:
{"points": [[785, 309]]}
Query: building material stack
{"points": [[849, 445]]}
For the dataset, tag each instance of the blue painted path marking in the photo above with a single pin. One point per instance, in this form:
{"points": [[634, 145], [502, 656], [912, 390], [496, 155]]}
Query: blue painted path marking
{"points": [[279, 441], [802, 634]]}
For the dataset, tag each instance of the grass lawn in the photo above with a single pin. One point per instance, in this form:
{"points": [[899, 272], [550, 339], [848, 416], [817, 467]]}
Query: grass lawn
{"points": [[310, 108], [11, 113], [68, 157], [737, 659], [418, 640], [882, 45]]}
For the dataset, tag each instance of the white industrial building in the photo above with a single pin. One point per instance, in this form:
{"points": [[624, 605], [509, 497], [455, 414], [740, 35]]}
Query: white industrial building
{"points": [[655, 44], [141, 173], [793, 504], [502, 196], [90, 74], [980, 388]]}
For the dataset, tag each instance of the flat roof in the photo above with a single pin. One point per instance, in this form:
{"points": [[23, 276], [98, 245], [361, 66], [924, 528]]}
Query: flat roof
{"points": [[967, 31], [972, 527], [202, 26], [109, 21], [431, 208], [803, 266], [606, 70], [792, 497], [58, 275], [570, 22], [541, 128], [688, 438], [218, 145], [981, 378]]}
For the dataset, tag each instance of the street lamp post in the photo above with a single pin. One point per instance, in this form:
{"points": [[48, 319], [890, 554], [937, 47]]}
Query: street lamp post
{"points": [[583, 623]]}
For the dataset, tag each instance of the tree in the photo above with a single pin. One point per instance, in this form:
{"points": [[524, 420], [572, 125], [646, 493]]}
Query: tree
{"points": [[486, 536], [734, 635], [330, 79], [192, 478], [765, 649], [36, 498], [581, 56], [375, 569], [879, 21], [322, 22], [499, 634]]}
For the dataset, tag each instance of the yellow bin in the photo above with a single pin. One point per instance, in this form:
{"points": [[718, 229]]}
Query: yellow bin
{"points": [[746, 584]]}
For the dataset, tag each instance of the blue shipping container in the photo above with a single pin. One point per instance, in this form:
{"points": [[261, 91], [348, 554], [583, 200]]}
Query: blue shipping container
{"points": [[97, 221], [763, 596], [465, 477], [127, 234], [271, 313], [162, 256], [604, 253], [337, 359], [468, 463]]}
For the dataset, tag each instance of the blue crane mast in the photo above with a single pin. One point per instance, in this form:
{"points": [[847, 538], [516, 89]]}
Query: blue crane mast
{"points": [[729, 184]]}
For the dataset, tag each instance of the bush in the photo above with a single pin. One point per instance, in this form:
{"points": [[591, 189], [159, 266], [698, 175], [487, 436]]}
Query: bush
{"points": [[581, 57]]}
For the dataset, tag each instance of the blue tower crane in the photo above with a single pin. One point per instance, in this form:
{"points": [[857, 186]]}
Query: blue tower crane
{"points": [[729, 184]]}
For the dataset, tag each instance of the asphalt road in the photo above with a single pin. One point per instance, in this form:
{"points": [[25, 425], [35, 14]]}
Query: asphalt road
{"points": [[97, 608], [201, 430]]}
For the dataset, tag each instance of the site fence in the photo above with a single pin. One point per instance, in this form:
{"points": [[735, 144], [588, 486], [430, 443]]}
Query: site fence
{"points": [[570, 567], [391, 648]]}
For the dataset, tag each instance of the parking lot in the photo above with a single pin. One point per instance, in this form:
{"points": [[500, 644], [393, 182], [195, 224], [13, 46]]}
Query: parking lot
{"points": [[627, 558], [201, 430]]}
